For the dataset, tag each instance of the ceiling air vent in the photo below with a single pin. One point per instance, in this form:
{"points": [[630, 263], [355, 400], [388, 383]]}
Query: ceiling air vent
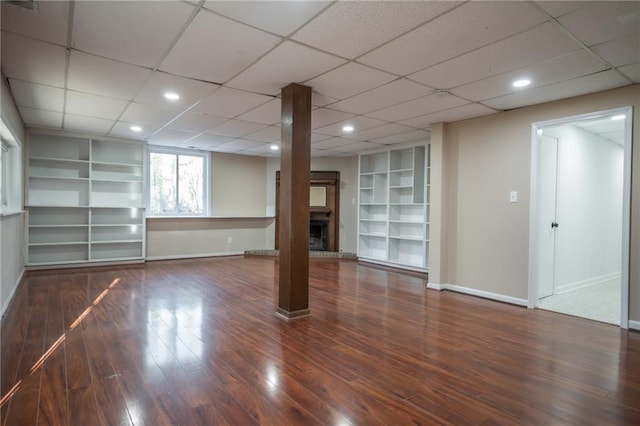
{"points": [[25, 4]]}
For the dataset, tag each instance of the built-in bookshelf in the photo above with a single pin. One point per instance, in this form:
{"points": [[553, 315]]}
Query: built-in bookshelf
{"points": [[393, 215], [84, 200]]}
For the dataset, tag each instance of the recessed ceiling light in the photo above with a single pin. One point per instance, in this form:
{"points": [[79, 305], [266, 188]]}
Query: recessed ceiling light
{"points": [[136, 128], [619, 117], [521, 83], [347, 128], [172, 96], [274, 147]]}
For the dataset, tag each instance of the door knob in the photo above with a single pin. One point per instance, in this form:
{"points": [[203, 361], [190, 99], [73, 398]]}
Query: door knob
{"points": [[554, 224]]}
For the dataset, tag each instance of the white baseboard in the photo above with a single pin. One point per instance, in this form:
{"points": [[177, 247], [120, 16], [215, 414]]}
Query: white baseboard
{"points": [[587, 283], [13, 292], [479, 293], [634, 325], [194, 256]]}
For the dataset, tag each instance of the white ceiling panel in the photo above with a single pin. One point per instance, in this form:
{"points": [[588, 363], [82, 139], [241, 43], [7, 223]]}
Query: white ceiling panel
{"points": [[268, 134], [412, 136], [316, 137], [448, 116], [359, 123], [50, 23], [379, 132], [324, 116], [506, 55], [91, 74], [189, 90], [40, 118], [288, 63], [476, 24], [196, 122], [261, 149], [123, 129], [37, 96], [349, 80], [580, 86], [332, 143], [120, 30], [226, 102], [280, 17], [351, 28], [357, 147], [558, 8], [319, 100], [632, 71], [94, 106], [401, 90], [237, 145], [79, 123], [209, 38], [170, 137], [603, 21], [564, 68], [236, 128], [420, 106], [148, 114], [33, 60], [621, 51], [269, 113], [207, 140]]}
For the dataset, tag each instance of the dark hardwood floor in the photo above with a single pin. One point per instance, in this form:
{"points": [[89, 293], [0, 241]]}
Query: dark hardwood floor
{"points": [[196, 342]]}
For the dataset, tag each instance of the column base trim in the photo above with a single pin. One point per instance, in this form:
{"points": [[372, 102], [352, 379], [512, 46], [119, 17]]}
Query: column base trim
{"points": [[302, 313]]}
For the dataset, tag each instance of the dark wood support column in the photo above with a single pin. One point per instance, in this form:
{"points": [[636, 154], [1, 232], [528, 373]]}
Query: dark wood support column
{"points": [[295, 163]]}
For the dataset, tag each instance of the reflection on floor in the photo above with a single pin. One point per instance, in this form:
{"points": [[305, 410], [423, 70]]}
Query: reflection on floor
{"points": [[599, 302]]}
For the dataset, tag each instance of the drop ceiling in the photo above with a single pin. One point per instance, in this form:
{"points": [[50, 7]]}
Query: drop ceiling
{"points": [[389, 69]]}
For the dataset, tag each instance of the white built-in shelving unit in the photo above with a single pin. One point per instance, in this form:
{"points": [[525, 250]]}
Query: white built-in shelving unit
{"points": [[84, 200], [393, 211]]}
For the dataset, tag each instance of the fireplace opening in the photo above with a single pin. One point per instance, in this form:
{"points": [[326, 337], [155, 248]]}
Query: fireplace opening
{"points": [[318, 235]]}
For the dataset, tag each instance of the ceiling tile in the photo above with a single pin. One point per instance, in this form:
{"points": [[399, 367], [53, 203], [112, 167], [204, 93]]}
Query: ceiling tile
{"points": [[357, 147], [81, 123], [379, 132], [91, 74], [148, 114], [135, 32], [352, 28], [557, 8], [280, 17], [621, 51], [401, 90], [603, 21], [287, 63], [476, 24], [94, 106], [236, 128], [349, 80], [506, 55], [209, 38], [40, 118], [189, 90], [170, 137], [33, 60], [359, 123], [37, 96], [196, 122], [319, 100], [226, 102], [632, 71], [412, 136], [580, 86], [448, 116], [316, 137], [564, 68], [269, 113], [332, 143], [416, 107], [261, 149], [123, 129], [49, 24], [268, 134], [238, 144], [207, 140], [324, 116]]}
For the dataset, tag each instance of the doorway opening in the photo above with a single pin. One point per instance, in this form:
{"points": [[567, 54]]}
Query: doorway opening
{"points": [[579, 222]]}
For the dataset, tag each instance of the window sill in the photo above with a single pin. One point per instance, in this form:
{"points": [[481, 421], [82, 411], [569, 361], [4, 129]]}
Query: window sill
{"points": [[11, 213], [208, 217]]}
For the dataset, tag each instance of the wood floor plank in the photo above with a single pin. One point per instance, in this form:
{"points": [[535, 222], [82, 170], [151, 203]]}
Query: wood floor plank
{"points": [[196, 342]]}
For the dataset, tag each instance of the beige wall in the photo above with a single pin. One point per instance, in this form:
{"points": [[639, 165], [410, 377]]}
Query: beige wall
{"points": [[237, 185], [485, 158]]}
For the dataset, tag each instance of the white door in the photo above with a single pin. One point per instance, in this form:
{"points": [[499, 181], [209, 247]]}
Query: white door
{"points": [[548, 172]]}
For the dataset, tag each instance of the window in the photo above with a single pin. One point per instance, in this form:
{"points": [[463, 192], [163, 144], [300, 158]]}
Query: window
{"points": [[4, 166], [178, 182]]}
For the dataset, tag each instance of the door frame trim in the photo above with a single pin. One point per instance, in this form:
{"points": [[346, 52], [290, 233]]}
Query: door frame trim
{"points": [[626, 206]]}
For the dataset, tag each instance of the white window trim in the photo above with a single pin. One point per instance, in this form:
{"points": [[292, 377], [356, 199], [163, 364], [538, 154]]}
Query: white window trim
{"points": [[205, 187]]}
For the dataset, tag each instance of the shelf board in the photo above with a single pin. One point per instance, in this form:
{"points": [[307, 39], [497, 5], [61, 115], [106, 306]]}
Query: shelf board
{"points": [[372, 204], [406, 237], [111, 163], [115, 180], [59, 226], [111, 225], [406, 204], [58, 178], [114, 259], [381, 235], [72, 243], [366, 187], [413, 222], [400, 170], [116, 241], [52, 263], [372, 220], [400, 186], [61, 160]]}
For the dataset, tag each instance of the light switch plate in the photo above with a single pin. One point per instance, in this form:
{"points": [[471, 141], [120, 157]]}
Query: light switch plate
{"points": [[513, 196]]}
